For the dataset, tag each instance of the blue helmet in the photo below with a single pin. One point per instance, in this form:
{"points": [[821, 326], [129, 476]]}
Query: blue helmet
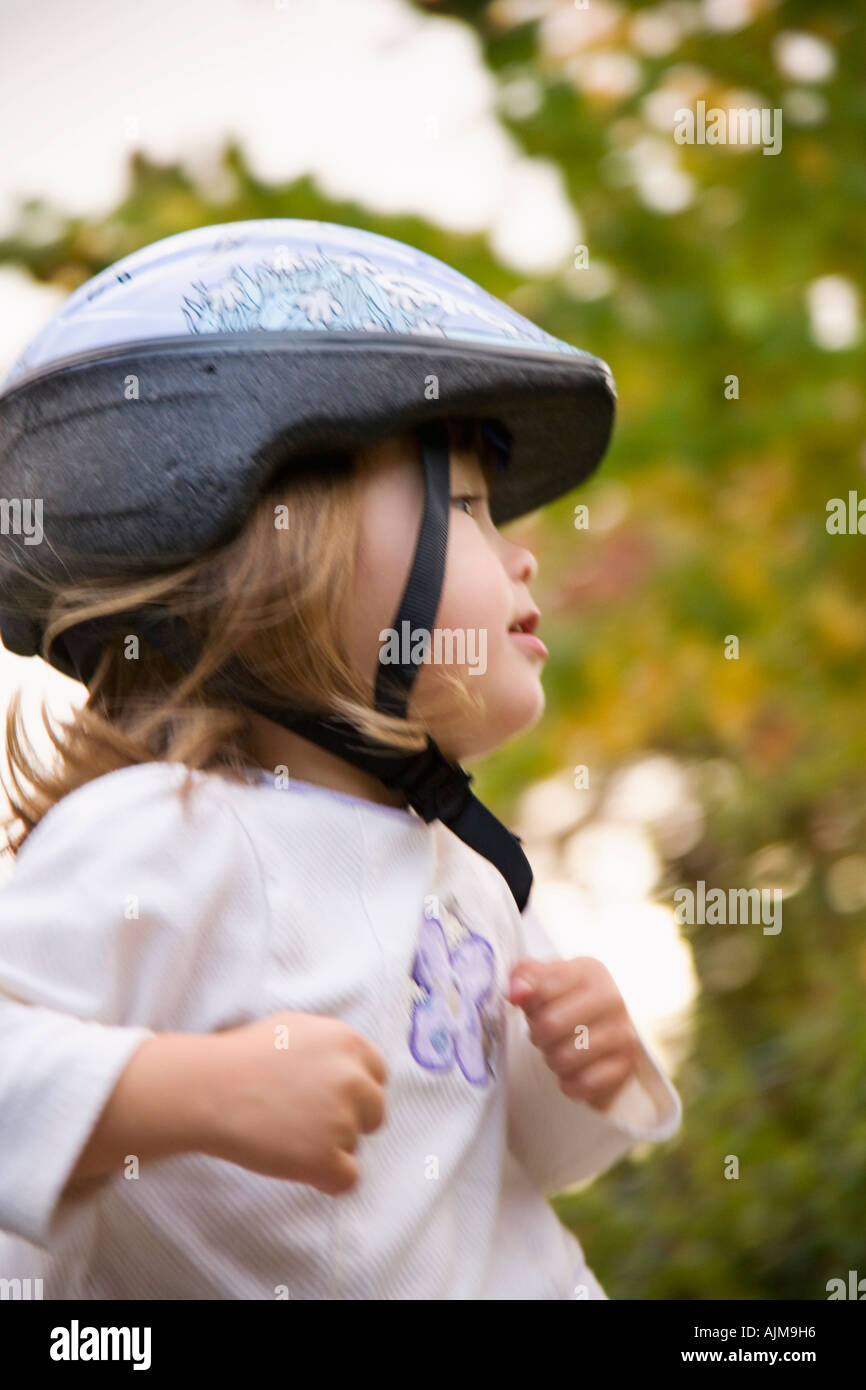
{"points": [[201, 366]]}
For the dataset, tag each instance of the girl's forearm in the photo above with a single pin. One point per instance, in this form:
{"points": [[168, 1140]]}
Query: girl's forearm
{"points": [[163, 1104]]}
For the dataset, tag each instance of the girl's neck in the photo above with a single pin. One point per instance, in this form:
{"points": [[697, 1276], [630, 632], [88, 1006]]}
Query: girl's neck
{"points": [[272, 746]]}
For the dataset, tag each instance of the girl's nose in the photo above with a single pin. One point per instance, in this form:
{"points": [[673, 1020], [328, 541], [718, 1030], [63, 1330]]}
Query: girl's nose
{"points": [[527, 565]]}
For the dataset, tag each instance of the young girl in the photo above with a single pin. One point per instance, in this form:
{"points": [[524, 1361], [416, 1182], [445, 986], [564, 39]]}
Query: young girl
{"points": [[277, 1019]]}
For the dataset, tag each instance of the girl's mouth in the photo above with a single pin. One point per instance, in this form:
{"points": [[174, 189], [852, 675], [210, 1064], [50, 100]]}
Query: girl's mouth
{"points": [[529, 641]]}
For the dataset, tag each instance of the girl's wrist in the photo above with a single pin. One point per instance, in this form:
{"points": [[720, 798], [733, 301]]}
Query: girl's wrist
{"points": [[165, 1102], [204, 1078]]}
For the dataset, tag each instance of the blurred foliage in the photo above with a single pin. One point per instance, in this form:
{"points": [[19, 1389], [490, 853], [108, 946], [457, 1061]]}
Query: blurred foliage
{"points": [[708, 519]]}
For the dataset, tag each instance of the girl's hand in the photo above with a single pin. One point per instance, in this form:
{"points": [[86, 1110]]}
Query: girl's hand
{"points": [[288, 1096], [560, 996]]}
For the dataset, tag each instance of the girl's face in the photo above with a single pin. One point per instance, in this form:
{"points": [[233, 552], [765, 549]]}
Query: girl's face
{"points": [[484, 593]]}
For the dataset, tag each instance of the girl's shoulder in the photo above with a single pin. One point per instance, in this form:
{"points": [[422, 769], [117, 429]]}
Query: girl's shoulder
{"points": [[141, 804], [167, 836], [130, 906]]}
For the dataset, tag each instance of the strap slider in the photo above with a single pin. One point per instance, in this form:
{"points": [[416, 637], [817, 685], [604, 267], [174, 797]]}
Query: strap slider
{"points": [[436, 788]]}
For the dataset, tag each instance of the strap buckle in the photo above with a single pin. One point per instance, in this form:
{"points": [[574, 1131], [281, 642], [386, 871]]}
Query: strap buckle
{"points": [[438, 789]]}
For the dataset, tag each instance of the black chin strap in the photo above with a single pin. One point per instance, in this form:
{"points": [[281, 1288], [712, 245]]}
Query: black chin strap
{"points": [[435, 787]]}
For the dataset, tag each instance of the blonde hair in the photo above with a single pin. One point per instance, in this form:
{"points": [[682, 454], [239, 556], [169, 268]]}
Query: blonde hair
{"points": [[276, 599]]}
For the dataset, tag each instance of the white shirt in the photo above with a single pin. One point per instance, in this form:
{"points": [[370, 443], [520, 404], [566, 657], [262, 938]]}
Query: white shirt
{"points": [[126, 915]]}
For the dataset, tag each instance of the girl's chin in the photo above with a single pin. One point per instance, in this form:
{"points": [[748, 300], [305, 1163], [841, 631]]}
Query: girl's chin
{"points": [[511, 707], [504, 722], [524, 708]]}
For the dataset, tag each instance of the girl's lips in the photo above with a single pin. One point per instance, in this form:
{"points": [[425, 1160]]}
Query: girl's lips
{"points": [[530, 642]]}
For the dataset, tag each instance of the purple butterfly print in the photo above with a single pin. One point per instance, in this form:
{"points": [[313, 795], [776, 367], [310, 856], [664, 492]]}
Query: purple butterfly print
{"points": [[447, 1025]]}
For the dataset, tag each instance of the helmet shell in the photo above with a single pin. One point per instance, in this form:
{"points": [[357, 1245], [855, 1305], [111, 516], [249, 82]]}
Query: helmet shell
{"points": [[161, 399]]}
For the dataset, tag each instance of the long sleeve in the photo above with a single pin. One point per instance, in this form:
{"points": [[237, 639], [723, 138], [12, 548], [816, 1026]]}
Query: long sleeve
{"points": [[112, 897], [560, 1141]]}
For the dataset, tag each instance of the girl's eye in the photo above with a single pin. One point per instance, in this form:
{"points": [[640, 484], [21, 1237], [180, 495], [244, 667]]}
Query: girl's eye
{"points": [[467, 498]]}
